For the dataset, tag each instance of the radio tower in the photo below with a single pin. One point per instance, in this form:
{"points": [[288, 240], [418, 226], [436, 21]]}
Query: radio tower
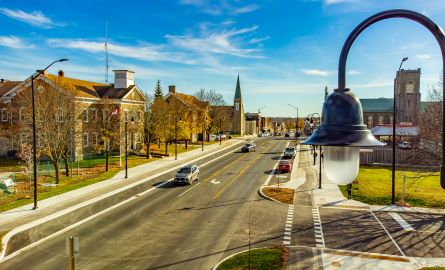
{"points": [[106, 52]]}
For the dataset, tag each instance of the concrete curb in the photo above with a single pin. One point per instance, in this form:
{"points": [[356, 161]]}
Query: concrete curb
{"points": [[61, 213], [230, 256], [261, 193]]}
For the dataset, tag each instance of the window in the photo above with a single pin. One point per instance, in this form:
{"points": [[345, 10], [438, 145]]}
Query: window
{"points": [[85, 115], [95, 138], [60, 115], [237, 106], [380, 119], [409, 87], [5, 115], [94, 114], [409, 103], [21, 114], [370, 121], [85, 140]]}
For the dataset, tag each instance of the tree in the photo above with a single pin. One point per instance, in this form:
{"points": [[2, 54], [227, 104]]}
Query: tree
{"points": [[161, 121], [108, 126], [216, 111], [158, 91], [55, 120], [148, 123]]}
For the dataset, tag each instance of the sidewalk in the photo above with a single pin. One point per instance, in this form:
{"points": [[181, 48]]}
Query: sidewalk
{"points": [[145, 172]]}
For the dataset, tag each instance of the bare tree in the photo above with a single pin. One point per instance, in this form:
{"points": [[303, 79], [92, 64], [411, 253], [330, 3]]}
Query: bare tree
{"points": [[55, 120], [216, 111], [148, 123]]}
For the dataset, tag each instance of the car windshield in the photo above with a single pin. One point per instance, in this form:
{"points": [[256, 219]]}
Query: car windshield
{"points": [[290, 149], [184, 170], [284, 162]]}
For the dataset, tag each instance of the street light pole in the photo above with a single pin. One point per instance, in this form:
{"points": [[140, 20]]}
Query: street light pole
{"points": [[34, 135], [126, 146], [394, 108], [220, 124], [297, 125], [203, 130], [259, 119], [176, 138]]}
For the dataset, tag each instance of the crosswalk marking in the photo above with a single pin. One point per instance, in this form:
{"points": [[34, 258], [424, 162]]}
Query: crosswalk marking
{"points": [[405, 225]]}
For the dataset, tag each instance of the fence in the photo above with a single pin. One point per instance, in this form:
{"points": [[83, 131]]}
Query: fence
{"points": [[384, 156]]}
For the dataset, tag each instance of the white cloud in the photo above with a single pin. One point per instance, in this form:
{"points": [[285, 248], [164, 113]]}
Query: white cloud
{"points": [[353, 72], [216, 42], [14, 42], [35, 18], [246, 9], [223, 7], [143, 52], [316, 72], [258, 40], [423, 56]]}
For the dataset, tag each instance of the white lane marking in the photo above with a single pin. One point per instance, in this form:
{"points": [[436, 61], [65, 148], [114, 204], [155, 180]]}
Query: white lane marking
{"points": [[281, 176], [392, 239], [405, 225], [286, 243], [215, 182], [12, 255], [288, 227], [287, 233], [318, 230], [287, 238], [40, 221], [272, 173], [188, 189]]}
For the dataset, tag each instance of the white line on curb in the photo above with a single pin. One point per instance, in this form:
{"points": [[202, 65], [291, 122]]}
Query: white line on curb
{"points": [[405, 225], [392, 239]]}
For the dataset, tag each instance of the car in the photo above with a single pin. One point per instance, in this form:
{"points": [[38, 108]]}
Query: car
{"points": [[223, 137], [290, 152], [187, 174], [248, 147], [405, 145], [284, 166]]}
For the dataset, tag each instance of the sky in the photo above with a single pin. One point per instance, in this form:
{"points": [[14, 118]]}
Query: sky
{"points": [[285, 52]]}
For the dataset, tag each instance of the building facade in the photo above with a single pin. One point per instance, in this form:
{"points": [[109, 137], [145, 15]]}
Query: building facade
{"points": [[94, 106]]}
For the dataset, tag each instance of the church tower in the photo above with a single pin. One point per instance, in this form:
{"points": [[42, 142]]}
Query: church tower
{"points": [[408, 95], [239, 120]]}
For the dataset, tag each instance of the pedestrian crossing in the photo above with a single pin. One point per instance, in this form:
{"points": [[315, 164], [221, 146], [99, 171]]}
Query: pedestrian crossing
{"points": [[288, 227]]}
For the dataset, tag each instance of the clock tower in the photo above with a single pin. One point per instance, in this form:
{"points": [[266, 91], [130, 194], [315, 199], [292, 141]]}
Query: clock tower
{"points": [[408, 95]]}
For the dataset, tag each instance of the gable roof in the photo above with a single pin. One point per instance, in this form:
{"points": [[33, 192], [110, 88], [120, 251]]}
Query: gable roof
{"points": [[188, 100], [5, 86], [80, 88], [377, 104]]}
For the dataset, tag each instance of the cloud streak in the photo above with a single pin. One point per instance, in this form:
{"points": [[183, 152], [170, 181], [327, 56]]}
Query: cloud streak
{"points": [[223, 7], [35, 18], [14, 42], [316, 72]]}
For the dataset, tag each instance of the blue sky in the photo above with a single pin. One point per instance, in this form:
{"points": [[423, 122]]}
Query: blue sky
{"points": [[285, 51]]}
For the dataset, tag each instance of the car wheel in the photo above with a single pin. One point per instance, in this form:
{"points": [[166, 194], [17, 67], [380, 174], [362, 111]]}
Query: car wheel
{"points": [[197, 178]]}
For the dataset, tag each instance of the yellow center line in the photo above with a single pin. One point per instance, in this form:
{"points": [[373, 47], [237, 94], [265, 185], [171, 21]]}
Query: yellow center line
{"points": [[223, 168], [238, 175]]}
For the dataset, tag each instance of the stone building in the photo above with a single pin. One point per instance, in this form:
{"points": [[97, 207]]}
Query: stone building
{"points": [[94, 104], [379, 111]]}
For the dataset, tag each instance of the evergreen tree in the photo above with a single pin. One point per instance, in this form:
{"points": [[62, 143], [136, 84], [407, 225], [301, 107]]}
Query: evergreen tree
{"points": [[326, 93], [158, 90]]}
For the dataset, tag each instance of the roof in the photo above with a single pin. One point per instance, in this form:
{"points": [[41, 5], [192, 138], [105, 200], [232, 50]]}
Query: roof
{"points": [[89, 89], [238, 89], [386, 130], [377, 104], [7, 85], [188, 100]]}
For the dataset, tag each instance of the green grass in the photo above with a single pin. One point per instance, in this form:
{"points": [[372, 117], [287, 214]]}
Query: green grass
{"points": [[422, 188], [264, 258], [10, 165], [433, 268]]}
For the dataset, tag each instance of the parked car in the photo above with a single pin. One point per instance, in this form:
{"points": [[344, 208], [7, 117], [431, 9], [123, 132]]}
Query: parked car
{"points": [[284, 166], [248, 147], [223, 137], [290, 152], [187, 174], [405, 145]]}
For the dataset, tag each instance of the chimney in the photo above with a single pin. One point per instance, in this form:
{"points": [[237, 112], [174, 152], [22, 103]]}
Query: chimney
{"points": [[61, 73], [172, 89]]}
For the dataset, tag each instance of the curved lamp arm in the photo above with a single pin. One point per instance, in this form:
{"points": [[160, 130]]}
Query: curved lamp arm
{"points": [[388, 14]]}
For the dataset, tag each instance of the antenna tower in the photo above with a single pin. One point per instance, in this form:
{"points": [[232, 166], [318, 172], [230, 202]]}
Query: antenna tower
{"points": [[106, 52]]}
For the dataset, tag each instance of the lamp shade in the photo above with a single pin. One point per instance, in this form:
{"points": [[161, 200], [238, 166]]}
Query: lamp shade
{"points": [[342, 123]]}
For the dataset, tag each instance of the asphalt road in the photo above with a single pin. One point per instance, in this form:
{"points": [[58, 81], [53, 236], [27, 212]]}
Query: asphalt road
{"points": [[170, 227]]}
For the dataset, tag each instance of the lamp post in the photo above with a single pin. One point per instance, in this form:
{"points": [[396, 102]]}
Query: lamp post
{"points": [[220, 129], [259, 120], [342, 130], [297, 125], [203, 130], [34, 135], [320, 148], [394, 121], [126, 143]]}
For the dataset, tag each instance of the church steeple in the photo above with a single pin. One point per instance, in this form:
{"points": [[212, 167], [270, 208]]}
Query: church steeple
{"points": [[238, 89]]}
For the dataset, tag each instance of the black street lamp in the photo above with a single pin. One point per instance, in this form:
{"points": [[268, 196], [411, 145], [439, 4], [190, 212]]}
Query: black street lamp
{"points": [[297, 124], [203, 130], [320, 148], [34, 144], [220, 129], [342, 130], [394, 121], [126, 142]]}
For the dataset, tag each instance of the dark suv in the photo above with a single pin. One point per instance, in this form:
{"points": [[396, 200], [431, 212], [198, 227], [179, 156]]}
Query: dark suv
{"points": [[248, 147]]}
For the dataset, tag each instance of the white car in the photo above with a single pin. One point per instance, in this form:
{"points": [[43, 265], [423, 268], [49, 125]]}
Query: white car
{"points": [[187, 174], [223, 137], [290, 152]]}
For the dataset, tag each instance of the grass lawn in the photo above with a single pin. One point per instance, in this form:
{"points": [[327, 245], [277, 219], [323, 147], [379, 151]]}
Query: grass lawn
{"points": [[264, 258], [284, 195], [433, 268], [422, 188], [92, 170], [1, 237]]}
